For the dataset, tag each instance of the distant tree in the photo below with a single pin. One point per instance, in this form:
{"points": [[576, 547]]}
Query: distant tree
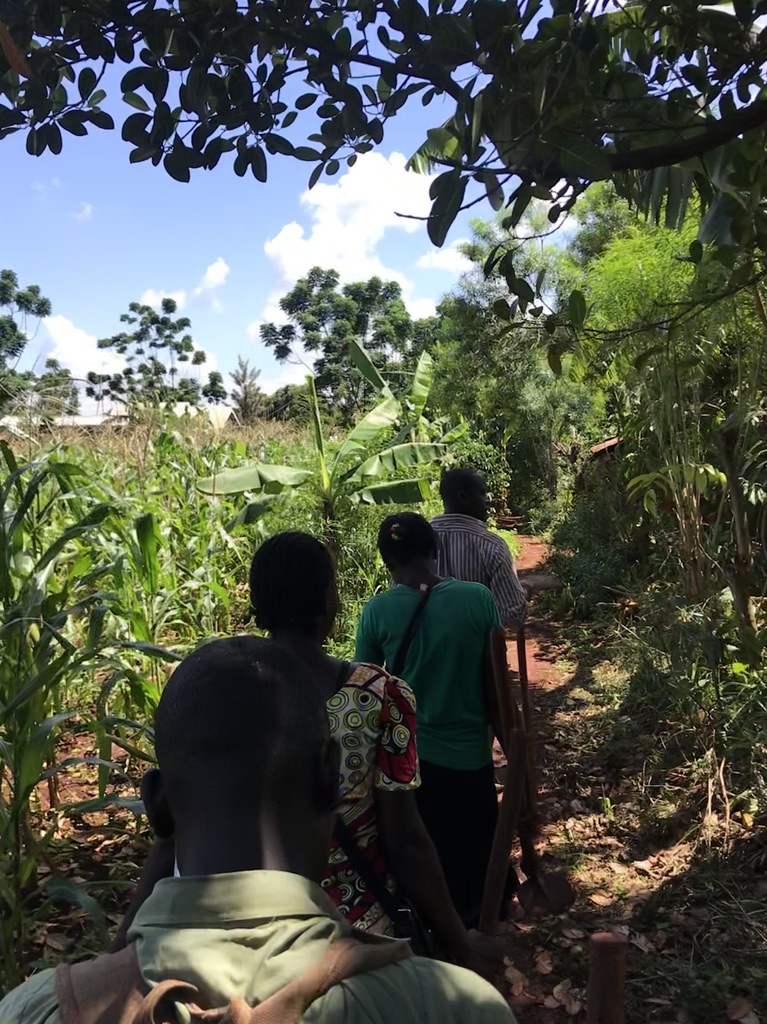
{"points": [[55, 393], [18, 306], [214, 391], [247, 395], [153, 352], [188, 391], [324, 318], [288, 403]]}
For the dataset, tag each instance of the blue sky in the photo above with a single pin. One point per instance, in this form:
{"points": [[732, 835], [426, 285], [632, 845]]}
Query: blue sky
{"points": [[96, 233]]}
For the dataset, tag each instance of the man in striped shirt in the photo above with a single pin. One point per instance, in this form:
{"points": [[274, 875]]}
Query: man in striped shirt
{"points": [[469, 551]]}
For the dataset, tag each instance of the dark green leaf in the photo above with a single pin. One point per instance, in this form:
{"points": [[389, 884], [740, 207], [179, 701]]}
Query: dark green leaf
{"points": [[101, 119], [54, 139], [72, 122], [555, 360], [258, 163], [86, 83], [134, 100], [177, 165], [493, 189], [577, 308]]}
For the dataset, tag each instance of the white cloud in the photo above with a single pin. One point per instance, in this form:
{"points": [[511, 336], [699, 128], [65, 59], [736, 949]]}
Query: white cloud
{"points": [[153, 297], [84, 213], [215, 275], [419, 309], [214, 278], [349, 219], [290, 373], [451, 260], [43, 186], [77, 350]]}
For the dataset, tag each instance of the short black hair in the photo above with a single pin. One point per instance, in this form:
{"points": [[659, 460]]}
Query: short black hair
{"points": [[405, 537], [454, 481], [289, 579], [237, 720]]}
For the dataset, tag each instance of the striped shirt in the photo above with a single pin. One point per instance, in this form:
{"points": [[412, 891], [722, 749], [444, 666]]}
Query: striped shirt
{"points": [[467, 550]]}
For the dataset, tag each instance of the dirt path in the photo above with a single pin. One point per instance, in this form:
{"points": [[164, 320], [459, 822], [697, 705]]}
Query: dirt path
{"points": [[628, 854]]}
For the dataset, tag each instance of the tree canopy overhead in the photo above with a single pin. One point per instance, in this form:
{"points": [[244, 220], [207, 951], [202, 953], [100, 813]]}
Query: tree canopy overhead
{"points": [[662, 98]]}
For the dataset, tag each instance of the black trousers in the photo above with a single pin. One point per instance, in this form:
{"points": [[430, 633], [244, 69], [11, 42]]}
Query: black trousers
{"points": [[460, 811]]}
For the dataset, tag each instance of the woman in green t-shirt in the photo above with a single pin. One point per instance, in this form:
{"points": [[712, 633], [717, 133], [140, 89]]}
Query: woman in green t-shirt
{"points": [[447, 664]]}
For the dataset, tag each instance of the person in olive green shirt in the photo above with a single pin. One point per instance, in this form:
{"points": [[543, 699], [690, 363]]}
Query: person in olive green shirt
{"points": [[448, 667], [247, 789]]}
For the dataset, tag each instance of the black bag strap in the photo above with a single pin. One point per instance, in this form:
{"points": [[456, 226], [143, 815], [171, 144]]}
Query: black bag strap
{"points": [[412, 627], [387, 900]]}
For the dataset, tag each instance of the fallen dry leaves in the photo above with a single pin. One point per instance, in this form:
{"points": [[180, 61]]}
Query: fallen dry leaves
{"points": [[742, 1010], [565, 997], [544, 963]]}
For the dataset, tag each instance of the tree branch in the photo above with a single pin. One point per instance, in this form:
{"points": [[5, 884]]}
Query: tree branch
{"points": [[717, 134]]}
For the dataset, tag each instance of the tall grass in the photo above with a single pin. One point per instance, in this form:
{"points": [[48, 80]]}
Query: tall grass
{"points": [[112, 567]]}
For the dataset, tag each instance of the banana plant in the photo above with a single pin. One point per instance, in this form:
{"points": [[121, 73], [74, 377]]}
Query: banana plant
{"points": [[345, 475], [415, 425]]}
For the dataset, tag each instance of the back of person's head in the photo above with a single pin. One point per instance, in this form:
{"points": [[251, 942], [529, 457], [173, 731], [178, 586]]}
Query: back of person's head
{"points": [[463, 491], [292, 585], [406, 538], [242, 739]]}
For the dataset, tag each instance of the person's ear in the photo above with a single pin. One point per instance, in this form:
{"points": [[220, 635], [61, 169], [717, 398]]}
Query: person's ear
{"points": [[327, 792], [156, 804]]}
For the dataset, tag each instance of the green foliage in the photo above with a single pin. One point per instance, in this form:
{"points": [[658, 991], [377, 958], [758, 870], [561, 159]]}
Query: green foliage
{"points": [[538, 107], [496, 376], [152, 352], [474, 450], [55, 393], [46, 583], [365, 322], [344, 476], [247, 396], [214, 391], [19, 307]]}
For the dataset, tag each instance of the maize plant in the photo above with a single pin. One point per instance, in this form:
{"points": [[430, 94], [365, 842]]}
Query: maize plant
{"points": [[48, 579]]}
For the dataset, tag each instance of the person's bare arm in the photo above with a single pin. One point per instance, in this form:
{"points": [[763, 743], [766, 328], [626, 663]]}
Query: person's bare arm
{"points": [[412, 859], [159, 865]]}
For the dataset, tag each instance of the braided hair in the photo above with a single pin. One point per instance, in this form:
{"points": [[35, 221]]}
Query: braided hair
{"points": [[406, 537], [290, 576]]}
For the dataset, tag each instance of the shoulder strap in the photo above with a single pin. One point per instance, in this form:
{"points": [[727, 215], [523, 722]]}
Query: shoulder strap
{"points": [[343, 836], [400, 657]]}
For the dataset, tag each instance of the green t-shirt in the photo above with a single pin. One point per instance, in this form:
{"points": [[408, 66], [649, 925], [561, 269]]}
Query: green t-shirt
{"points": [[443, 665]]}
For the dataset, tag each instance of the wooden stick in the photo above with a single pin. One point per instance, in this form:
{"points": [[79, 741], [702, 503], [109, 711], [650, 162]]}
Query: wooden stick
{"points": [[606, 998], [523, 679], [515, 743], [505, 831], [505, 696]]}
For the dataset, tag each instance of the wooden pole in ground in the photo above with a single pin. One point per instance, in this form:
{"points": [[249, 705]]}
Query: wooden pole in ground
{"points": [[513, 790], [505, 831], [606, 996]]}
